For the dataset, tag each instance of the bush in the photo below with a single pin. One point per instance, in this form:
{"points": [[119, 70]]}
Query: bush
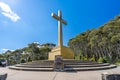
{"points": [[85, 59], [77, 58], [104, 60], [29, 59], [93, 58], [42, 58], [18, 62], [12, 62], [118, 62], [23, 61], [100, 59]]}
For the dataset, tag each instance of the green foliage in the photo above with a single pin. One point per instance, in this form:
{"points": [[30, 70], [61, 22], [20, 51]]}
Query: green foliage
{"points": [[29, 59], [34, 51], [18, 62], [118, 62], [100, 59], [81, 57], [93, 58], [12, 61], [85, 59], [106, 59], [1, 56], [77, 58], [42, 58], [23, 61]]}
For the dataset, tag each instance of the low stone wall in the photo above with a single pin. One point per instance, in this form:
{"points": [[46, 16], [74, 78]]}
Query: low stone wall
{"points": [[3, 76]]}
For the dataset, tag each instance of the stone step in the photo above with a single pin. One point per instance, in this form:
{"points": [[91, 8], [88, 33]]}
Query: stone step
{"points": [[95, 65], [65, 61], [47, 64], [38, 62], [35, 66], [78, 61], [30, 69], [65, 69], [50, 66], [90, 68], [83, 63]]}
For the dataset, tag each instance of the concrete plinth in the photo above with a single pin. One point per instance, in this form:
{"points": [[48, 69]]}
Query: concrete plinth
{"points": [[64, 51]]}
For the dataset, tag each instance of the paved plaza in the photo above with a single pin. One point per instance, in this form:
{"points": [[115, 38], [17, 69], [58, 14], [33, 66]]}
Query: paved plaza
{"points": [[37, 75]]}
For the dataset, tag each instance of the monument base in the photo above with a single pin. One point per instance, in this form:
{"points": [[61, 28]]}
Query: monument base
{"points": [[64, 51]]}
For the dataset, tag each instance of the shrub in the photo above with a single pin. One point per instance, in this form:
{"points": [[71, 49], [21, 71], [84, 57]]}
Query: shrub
{"points": [[85, 59], [29, 59], [23, 61], [100, 59], [104, 60], [77, 58], [118, 62], [93, 58], [42, 58]]}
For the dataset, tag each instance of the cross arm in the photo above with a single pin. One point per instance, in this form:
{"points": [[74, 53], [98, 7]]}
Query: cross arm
{"points": [[64, 22], [58, 18], [55, 16]]}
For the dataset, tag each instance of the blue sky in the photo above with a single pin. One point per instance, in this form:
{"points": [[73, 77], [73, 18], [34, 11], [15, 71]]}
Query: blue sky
{"points": [[26, 21]]}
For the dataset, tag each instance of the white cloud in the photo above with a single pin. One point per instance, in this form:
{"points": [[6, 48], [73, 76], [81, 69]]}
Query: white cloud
{"points": [[4, 50], [6, 11]]}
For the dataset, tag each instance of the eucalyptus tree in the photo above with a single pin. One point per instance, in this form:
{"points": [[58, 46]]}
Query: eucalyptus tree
{"points": [[34, 50], [102, 42]]}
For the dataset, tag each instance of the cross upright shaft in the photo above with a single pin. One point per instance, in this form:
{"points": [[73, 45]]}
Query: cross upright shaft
{"points": [[60, 21]]}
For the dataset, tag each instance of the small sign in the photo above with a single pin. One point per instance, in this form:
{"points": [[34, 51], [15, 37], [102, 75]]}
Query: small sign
{"points": [[58, 63]]}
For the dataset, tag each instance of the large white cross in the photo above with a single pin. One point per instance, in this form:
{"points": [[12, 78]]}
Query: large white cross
{"points": [[60, 21]]}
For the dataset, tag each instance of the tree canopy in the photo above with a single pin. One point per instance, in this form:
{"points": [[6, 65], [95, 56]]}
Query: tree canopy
{"points": [[34, 51], [101, 42]]}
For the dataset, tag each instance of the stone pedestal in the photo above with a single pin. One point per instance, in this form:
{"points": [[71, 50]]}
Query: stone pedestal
{"points": [[64, 51]]}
